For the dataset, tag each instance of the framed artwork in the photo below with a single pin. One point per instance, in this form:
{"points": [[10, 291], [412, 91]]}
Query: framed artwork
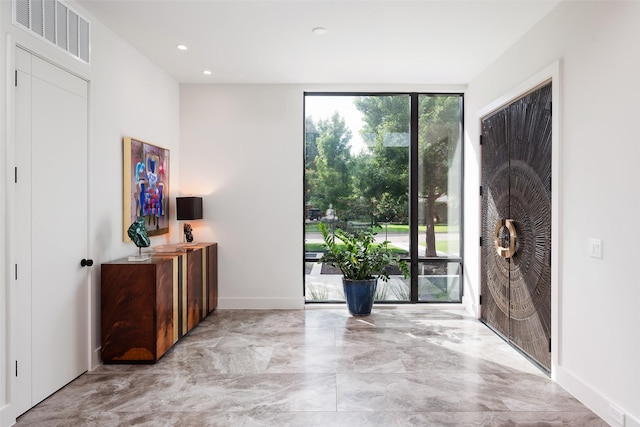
{"points": [[146, 186]]}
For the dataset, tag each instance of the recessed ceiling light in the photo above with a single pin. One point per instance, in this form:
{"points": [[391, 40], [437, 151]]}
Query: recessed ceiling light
{"points": [[206, 72], [319, 31], [181, 47]]}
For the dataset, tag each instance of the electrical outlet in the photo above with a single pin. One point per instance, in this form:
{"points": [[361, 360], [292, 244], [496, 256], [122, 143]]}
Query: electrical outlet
{"points": [[595, 248], [617, 415]]}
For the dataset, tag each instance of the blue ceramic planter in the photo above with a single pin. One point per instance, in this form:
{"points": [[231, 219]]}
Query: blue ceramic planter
{"points": [[360, 295]]}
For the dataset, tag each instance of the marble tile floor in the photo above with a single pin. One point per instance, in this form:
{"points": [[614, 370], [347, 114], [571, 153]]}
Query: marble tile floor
{"points": [[400, 366]]}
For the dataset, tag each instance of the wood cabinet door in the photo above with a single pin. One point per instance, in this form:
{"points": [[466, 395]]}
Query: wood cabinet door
{"points": [[128, 295], [212, 278], [195, 298]]}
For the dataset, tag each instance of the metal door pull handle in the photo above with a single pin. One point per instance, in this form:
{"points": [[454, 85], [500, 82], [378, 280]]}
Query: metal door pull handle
{"points": [[511, 250]]}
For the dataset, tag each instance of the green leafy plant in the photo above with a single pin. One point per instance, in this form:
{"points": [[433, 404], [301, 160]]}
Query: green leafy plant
{"points": [[359, 257]]}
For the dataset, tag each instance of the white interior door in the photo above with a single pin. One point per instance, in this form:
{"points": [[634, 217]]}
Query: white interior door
{"points": [[51, 328]]}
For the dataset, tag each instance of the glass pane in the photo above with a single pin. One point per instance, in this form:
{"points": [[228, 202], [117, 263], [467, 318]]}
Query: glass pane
{"points": [[322, 286], [356, 178], [439, 282], [323, 283], [396, 289], [439, 175]]}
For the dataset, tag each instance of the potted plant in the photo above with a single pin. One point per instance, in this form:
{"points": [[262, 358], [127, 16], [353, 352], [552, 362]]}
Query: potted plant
{"points": [[362, 262]]}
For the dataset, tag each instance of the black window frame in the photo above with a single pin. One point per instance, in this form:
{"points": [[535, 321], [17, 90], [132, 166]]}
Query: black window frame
{"points": [[414, 259]]}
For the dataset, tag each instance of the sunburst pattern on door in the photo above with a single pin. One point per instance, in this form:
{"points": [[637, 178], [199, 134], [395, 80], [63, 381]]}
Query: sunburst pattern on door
{"points": [[516, 181]]}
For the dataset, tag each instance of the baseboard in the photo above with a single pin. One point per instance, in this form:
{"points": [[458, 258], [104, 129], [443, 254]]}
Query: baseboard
{"points": [[471, 306], [7, 417], [299, 304], [592, 399], [261, 303], [96, 358]]}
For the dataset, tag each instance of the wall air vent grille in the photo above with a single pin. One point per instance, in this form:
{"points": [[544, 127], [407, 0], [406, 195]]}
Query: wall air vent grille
{"points": [[56, 23], [50, 21], [21, 8]]}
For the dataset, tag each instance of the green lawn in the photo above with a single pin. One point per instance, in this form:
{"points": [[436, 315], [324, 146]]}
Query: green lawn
{"points": [[314, 247], [404, 228], [448, 246], [398, 228]]}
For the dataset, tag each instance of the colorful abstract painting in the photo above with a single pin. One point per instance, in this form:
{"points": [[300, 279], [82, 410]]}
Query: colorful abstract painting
{"points": [[146, 186]]}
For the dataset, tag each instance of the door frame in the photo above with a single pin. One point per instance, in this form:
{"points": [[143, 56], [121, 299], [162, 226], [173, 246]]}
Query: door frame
{"points": [[7, 360], [551, 73]]}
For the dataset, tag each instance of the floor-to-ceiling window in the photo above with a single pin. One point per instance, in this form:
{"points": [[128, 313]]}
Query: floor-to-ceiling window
{"points": [[391, 162]]}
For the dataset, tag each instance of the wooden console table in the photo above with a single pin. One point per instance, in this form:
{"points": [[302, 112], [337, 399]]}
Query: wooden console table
{"points": [[147, 306]]}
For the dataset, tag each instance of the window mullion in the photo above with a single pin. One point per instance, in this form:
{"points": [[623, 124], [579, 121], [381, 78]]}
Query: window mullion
{"points": [[413, 197]]}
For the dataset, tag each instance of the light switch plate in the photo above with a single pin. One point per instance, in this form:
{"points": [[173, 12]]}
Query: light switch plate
{"points": [[595, 248]]}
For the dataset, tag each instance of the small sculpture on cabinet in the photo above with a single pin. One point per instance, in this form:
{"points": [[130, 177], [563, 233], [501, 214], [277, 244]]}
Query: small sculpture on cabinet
{"points": [[137, 232], [188, 233]]}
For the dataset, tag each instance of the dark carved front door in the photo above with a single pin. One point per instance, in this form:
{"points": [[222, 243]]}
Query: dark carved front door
{"points": [[516, 223]]}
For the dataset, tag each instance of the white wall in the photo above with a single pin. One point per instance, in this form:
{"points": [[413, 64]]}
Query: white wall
{"points": [[129, 96], [597, 316], [242, 151]]}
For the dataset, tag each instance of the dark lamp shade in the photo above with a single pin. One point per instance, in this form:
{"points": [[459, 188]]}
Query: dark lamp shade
{"points": [[188, 208]]}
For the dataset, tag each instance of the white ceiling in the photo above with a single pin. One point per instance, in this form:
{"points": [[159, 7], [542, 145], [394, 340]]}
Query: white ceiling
{"points": [[368, 42]]}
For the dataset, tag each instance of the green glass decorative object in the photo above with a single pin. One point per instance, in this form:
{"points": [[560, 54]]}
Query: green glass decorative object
{"points": [[138, 233]]}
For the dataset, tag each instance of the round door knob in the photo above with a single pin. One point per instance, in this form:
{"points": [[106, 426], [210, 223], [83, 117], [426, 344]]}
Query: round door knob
{"points": [[86, 262]]}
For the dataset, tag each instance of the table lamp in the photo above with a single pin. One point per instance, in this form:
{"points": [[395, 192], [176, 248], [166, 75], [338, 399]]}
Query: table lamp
{"points": [[188, 209]]}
